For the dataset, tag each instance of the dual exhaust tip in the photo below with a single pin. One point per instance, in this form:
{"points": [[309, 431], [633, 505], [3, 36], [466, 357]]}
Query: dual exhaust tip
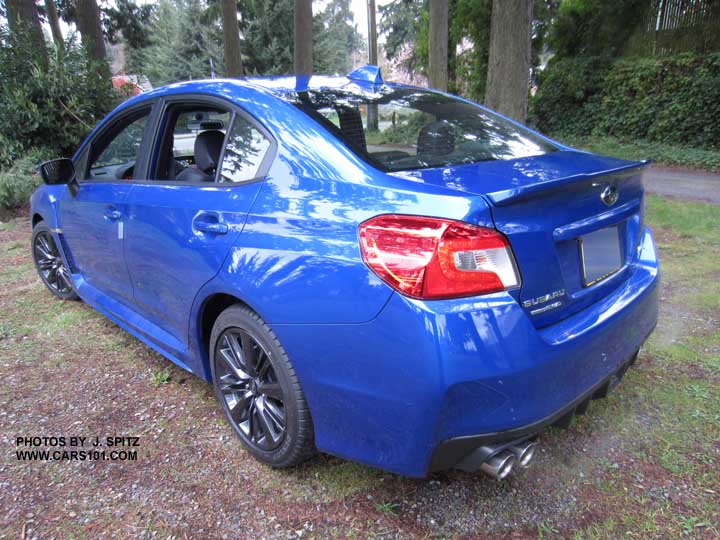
{"points": [[501, 464]]}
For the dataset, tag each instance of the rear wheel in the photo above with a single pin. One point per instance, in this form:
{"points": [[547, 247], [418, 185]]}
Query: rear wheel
{"points": [[258, 389], [49, 263]]}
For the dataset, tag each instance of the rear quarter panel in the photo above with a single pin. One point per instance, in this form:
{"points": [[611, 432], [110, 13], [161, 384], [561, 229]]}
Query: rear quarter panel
{"points": [[297, 260]]}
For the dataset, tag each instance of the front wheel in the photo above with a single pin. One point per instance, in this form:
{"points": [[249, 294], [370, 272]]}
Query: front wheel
{"points": [[258, 389], [49, 263]]}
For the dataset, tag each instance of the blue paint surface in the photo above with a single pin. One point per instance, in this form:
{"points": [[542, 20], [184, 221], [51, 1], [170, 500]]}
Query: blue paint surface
{"points": [[387, 378]]}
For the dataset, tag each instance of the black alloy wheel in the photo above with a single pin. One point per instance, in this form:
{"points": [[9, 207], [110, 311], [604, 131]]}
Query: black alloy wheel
{"points": [[258, 389], [50, 265], [249, 386]]}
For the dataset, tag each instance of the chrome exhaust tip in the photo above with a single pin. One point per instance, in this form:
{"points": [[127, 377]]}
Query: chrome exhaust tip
{"points": [[524, 453], [500, 465]]}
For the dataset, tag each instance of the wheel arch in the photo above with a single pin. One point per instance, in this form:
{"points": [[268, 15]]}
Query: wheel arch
{"points": [[210, 309], [43, 205]]}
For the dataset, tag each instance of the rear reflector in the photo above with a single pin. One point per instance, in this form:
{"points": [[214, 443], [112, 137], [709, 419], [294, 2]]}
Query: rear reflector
{"points": [[428, 258]]}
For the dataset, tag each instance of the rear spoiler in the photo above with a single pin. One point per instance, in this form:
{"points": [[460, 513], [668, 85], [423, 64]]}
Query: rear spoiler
{"points": [[510, 196]]}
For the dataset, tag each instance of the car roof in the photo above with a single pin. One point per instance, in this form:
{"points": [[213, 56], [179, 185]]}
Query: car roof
{"points": [[366, 79], [259, 93]]}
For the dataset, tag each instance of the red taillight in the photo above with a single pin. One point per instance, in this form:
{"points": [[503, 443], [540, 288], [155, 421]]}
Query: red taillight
{"points": [[427, 257]]}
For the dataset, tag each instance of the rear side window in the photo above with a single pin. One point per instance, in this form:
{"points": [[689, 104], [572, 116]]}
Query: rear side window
{"points": [[189, 125], [245, 149], [417, 129]]}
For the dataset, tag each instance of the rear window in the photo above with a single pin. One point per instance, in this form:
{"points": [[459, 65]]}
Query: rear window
{"points": [[407, 129]]}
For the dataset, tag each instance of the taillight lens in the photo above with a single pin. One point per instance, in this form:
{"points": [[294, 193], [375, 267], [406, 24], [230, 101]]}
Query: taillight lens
{"points": [[427, 257]]}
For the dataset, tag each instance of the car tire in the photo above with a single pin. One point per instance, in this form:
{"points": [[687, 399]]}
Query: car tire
{"points": [[49, 263], [259, 391]]}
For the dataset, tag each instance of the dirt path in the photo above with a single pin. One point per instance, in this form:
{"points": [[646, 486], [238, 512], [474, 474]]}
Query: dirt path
{"points": [[684, 184]]}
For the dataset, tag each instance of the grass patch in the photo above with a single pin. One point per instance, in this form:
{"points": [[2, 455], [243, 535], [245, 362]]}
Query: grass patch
{"points": [[665, 417], [689, 248], [692, 219], [15, 273], [661, 153], [346, 478], [160, 377], [13, 225], [387, 508]]}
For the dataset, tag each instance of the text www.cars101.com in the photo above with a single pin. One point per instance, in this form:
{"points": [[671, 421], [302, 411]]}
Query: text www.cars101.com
{"points": [[76, 455]]}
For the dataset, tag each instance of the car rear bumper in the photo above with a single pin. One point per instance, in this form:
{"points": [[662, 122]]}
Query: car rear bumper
{"points": [[400, 391], [451, 452]]}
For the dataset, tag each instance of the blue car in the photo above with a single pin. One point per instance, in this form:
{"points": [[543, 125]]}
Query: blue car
{"points": [[385, 273]]}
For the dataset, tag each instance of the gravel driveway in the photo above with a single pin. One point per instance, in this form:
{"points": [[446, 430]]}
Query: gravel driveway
{"points": [[684, 183], [642, 464]]}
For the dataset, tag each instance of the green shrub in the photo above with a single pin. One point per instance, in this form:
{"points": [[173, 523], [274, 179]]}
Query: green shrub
{"points": [[51, 106], [18, 181], [10, 149], [568, 93], [670, 100]]}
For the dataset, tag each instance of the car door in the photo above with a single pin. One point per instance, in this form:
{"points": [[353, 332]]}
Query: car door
{"points": [[93, 218], [181, 225]]}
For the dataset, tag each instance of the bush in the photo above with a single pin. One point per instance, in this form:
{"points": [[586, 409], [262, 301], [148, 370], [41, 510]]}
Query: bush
{"points": [[669, 100], [18, 181], [568, 93], [52, 106], [10, 149]]}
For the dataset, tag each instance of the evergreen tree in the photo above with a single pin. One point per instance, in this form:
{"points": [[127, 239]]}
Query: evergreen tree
{"points": [[128, 23], [267, 27], [336, 38], [184, 35], [158, 60], [184, 38], [200, 40]]}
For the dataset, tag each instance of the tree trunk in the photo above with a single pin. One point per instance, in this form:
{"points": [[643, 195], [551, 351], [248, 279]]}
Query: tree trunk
{"points": [[231, 39], [24, 12], [372, 110], [12, 9], [88, 20], [372, 34], [303, 46], [438, 45], [54, 21], [509, 59]]}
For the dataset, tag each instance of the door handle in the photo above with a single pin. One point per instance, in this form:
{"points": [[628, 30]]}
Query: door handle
{"points": [[113, 215], [209, 223]]}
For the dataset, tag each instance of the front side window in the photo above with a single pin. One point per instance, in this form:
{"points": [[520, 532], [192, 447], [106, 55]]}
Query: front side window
{"points": [[114, 155], [410, 128], [244, 152]]}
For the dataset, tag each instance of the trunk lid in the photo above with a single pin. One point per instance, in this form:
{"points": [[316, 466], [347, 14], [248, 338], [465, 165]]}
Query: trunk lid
{"points": [[547, 206]]}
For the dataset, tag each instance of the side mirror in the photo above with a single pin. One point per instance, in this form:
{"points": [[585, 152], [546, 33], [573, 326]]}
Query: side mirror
{"points": [[57, 171]]}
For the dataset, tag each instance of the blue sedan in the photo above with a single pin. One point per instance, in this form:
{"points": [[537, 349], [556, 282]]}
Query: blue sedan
{"points": [[386, 273]]}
